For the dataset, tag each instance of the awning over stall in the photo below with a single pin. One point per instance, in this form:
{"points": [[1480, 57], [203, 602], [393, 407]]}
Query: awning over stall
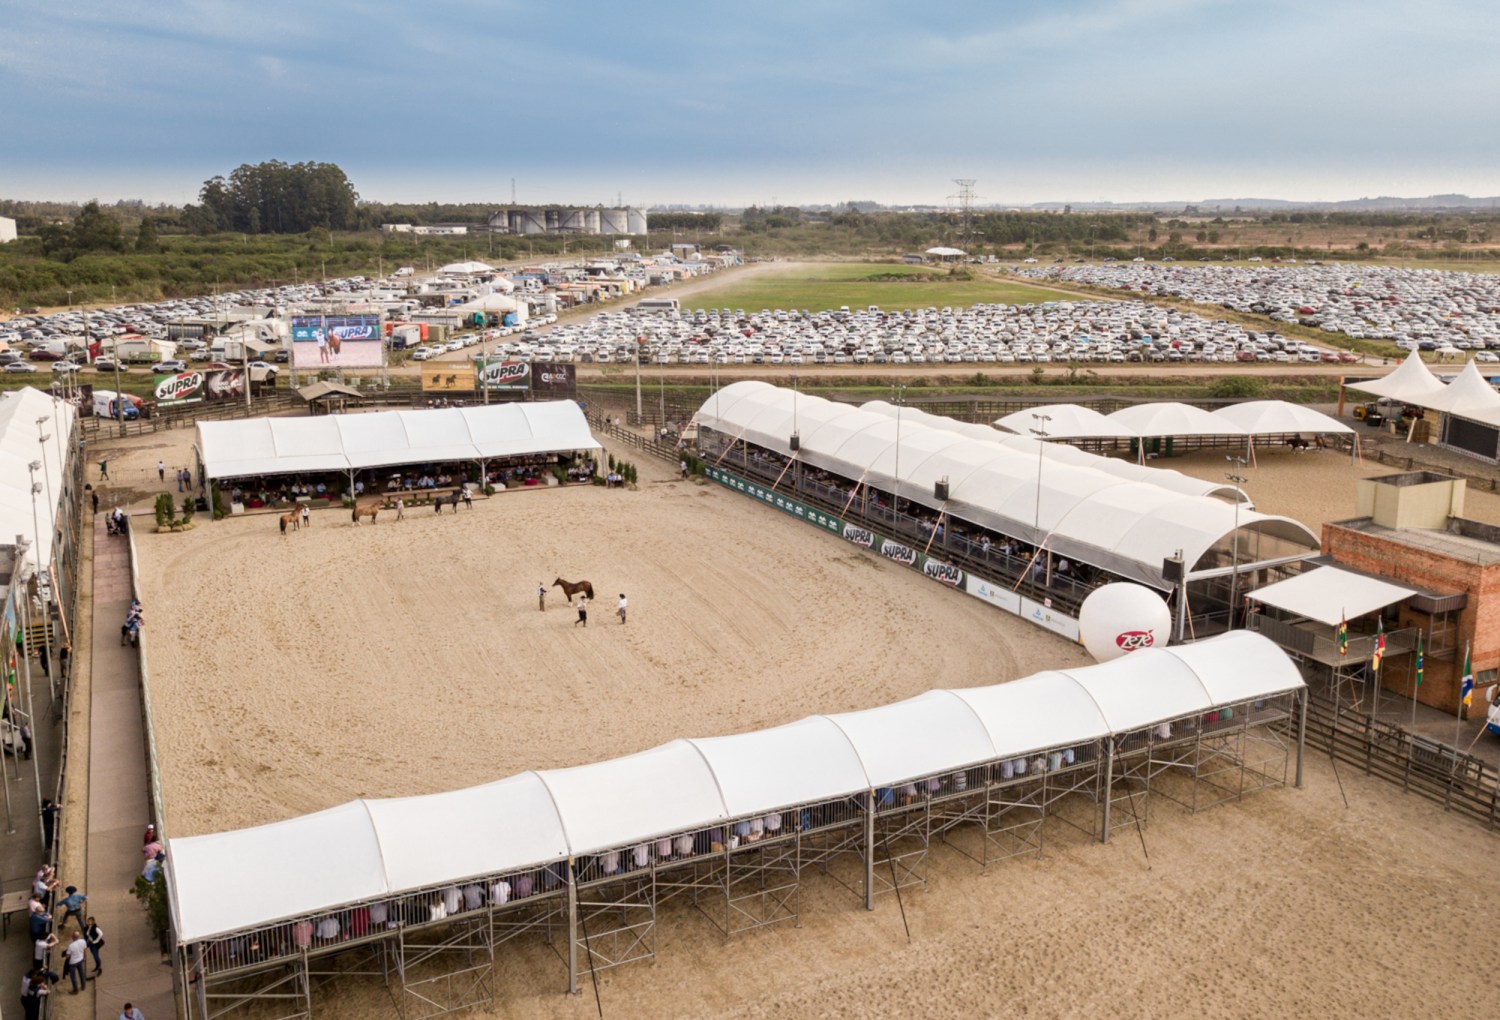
{"points": [[1330, 595]]}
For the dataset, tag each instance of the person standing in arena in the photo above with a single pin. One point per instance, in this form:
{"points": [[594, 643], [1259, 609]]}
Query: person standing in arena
{"points": [[541, 596], [620, 609], [583, 611]]}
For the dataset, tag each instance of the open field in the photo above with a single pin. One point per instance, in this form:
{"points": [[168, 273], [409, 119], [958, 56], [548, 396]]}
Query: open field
{"points": [[294, 674], [818, 286]]}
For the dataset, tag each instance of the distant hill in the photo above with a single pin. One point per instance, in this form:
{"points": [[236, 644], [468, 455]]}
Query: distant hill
{"points": [[1385, 203]]}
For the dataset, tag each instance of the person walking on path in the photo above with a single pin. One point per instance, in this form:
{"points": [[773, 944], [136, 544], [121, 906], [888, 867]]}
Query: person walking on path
{"points": [[541, 596], [50, 812], [73, 963], [682, 466], [583, 611], [179, 479], [131, 1013], [161, 470], [94, 936], [94, 496], [620, 609], [104, 470]]}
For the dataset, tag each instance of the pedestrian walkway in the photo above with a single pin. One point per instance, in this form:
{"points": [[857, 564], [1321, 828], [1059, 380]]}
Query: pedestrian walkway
{"points": [[119, 801]]}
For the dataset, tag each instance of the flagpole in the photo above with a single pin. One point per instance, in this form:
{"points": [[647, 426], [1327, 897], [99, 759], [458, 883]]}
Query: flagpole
{"points": [[1465, 681], [1415, 667]]}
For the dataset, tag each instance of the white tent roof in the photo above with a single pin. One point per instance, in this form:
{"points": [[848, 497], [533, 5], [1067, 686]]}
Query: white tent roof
{"points": [[20, 446], [1411, 382], [370, 850], [1068, 421], [466, 269], [1329, 595], [945, 252], [1056, 452], [1469, 394], [1274, 417], [340, 442], [488, 303], [1173, 419], [1127, 524]]}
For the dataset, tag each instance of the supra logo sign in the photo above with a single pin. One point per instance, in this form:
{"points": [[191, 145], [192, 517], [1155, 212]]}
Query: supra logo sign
{"points": [[184, 384]]}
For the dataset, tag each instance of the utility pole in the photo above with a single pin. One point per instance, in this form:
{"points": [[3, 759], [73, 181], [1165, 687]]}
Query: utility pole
{"points": [[1234, 563]]}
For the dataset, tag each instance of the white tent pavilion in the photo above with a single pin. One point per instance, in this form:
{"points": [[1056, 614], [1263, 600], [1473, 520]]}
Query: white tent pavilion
{"points": [[1330, 595], [1169, 419], [371, 850], [1469, 394], [22, 512], [1411, 382], [1068, 421], [1282, 417], [350, 442]]}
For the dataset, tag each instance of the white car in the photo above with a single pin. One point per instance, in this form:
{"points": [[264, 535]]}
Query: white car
{"points": [[421, 354], [171, 365]]}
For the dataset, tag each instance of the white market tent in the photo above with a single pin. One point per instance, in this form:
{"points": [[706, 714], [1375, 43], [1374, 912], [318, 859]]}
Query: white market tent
{"points": [[1067, 421], [1412, 382], [1280, 417], [1330, 595], [946, 253], [21, 513], [1469, 394], [369, 850], [1127, 527], [350, 442], [1064, 454], [1169, 418], [466, 269]]}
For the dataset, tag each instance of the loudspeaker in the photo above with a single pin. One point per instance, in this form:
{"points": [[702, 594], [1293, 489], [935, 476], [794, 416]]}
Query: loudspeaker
{"points": [[795, 442], [940, 490], [1172, 570]]}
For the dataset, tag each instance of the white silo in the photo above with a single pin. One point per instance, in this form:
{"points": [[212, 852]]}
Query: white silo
{"points": [[614, 221], [636, 220]]}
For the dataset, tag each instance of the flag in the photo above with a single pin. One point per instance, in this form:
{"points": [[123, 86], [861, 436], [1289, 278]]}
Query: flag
{"points": [[1419, 658], [1343, 636], [1466, 690], [1379, 646]]}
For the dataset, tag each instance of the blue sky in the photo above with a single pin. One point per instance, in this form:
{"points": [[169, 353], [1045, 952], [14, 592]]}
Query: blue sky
{"points": [[708, 102]]}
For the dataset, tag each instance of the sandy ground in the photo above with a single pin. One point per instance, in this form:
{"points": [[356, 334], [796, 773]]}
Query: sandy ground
{"points": [[410, 657]]}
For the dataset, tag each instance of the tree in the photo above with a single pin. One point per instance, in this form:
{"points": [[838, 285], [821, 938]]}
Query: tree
{"points": [[280, 198], [146, 242], [1151, 235]]}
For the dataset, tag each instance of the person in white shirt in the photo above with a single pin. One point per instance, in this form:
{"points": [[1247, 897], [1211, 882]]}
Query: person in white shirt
{"points": [[620, 608], [451, 899], [73, 963], [500, 893]]}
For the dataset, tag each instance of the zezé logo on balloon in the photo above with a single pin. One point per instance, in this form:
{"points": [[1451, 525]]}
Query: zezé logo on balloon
{"points": [[1135, 640]]}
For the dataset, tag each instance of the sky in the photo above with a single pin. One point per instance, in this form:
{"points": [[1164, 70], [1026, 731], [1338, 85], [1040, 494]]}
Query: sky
{"points": [[766, 102]]}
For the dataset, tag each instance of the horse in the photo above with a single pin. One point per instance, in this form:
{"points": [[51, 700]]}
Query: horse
{"points": [[437, 504], [294, 519], [1298, 444], [364, 511], [571, 588]]}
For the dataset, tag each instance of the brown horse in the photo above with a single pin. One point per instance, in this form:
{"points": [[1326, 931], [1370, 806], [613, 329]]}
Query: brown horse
{"points": [[571, 588], [364, 511], [294, 519]]}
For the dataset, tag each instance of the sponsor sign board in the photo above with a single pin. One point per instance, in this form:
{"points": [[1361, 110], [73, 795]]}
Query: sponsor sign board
{"points": [[1135, 640], [945, 573], [503, 375], [180, 388], [446, 377], [556, 380], [1054, 621], [786, 504], [994, 594], [225, 384], [337, 341]]}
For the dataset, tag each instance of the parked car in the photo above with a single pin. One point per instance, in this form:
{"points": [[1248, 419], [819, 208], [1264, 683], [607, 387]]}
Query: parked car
{"points": [[169, 366], [20, 366]]}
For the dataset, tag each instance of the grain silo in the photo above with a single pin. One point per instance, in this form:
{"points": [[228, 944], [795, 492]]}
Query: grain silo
{"points": [[636, 220], [614, 221]]}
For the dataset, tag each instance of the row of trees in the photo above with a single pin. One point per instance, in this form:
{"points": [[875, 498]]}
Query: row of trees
{"points": [[275, 198], [94, 230]]}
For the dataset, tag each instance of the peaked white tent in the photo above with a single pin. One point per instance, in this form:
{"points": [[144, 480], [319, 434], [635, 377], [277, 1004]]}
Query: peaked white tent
{"points": [[369, 850], [1411, 382], [349, 442], [1067, 421], [1469, 394], [1279, 417], [1168, 418], [1125, 526]]}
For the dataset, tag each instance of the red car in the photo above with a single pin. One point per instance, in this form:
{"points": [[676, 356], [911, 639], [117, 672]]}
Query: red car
{"points": [[1348, 358]]}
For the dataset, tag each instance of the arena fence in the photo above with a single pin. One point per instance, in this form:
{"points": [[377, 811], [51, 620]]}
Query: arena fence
{"points": [[436, 948]]}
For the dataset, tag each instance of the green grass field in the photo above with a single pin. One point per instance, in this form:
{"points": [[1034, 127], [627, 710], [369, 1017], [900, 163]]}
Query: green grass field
{"points": [[820, 286]]}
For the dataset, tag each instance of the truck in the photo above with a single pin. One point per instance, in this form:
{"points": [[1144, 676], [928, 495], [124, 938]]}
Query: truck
{"points": [[109, 404]]}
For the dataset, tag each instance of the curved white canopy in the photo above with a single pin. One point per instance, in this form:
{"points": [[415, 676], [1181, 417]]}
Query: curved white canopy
{"points": [[1274, 417], [1411, 382], [341, 442], [1169, 418], [1067, 421], [21, 513], [1124, 522], [369, 850]]}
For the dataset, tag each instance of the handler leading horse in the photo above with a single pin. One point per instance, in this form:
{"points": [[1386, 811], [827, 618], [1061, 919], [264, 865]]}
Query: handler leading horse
{"points": [[571, 588]]}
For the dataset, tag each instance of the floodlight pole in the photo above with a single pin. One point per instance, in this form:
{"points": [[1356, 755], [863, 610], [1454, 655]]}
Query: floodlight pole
{"points": [[896, 489], [1041, 445], [1234, 564]]}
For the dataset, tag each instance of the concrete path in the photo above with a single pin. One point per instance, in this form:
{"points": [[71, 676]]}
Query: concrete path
{"points": [[119, 802]]}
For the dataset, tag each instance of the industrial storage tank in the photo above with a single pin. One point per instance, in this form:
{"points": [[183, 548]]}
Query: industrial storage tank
{"points": [[614, 221], [571, 221], [501, 222], [527, 221], [591, 221], [554, 218], [636, 220]]}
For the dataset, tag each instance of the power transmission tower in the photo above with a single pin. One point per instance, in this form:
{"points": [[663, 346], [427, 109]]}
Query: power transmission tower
{"points": [[965, 199]]}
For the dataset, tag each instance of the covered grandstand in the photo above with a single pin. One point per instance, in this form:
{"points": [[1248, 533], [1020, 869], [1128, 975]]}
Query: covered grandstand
{"points": [[733, 824], [1001, 512]]}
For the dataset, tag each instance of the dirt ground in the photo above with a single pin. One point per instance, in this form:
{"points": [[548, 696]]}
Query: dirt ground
{"points": [[410, 657]]}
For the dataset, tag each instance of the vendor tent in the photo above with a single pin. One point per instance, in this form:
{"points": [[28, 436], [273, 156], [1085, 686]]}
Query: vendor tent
{"points": [[1279, 417], [367, 851], [1149, 421], [1411, 383], [1469, 394], [1065, 421], [1330, 595], [278, 446]]}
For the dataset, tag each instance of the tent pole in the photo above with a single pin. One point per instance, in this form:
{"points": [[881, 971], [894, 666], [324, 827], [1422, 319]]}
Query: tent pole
{"points": [[1301, 732], [870, 850], [1109, 778], [572, 931]]}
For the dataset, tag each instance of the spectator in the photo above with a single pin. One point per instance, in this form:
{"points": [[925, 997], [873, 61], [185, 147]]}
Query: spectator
{"points": [[73, 958], [40, 948], [129, 1012], [72, 904], [49, 822], [153, 867], [94, 936], [500, 892]]}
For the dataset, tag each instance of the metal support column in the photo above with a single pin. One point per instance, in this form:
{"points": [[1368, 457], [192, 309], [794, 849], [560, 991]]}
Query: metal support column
{"points": [[572, 929], [870, 850], [1109, 780], [1301, 732]]}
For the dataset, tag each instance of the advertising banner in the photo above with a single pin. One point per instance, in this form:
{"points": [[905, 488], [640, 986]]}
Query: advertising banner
{"points": [[446, 377], [994, 594], [180, 388], [1044, 616], [557, 381], [337, 341], [503, 375], [224, 384]]}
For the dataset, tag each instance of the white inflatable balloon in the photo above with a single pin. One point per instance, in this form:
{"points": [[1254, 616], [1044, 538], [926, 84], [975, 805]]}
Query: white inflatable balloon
{"points": [[1121, 618]]}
